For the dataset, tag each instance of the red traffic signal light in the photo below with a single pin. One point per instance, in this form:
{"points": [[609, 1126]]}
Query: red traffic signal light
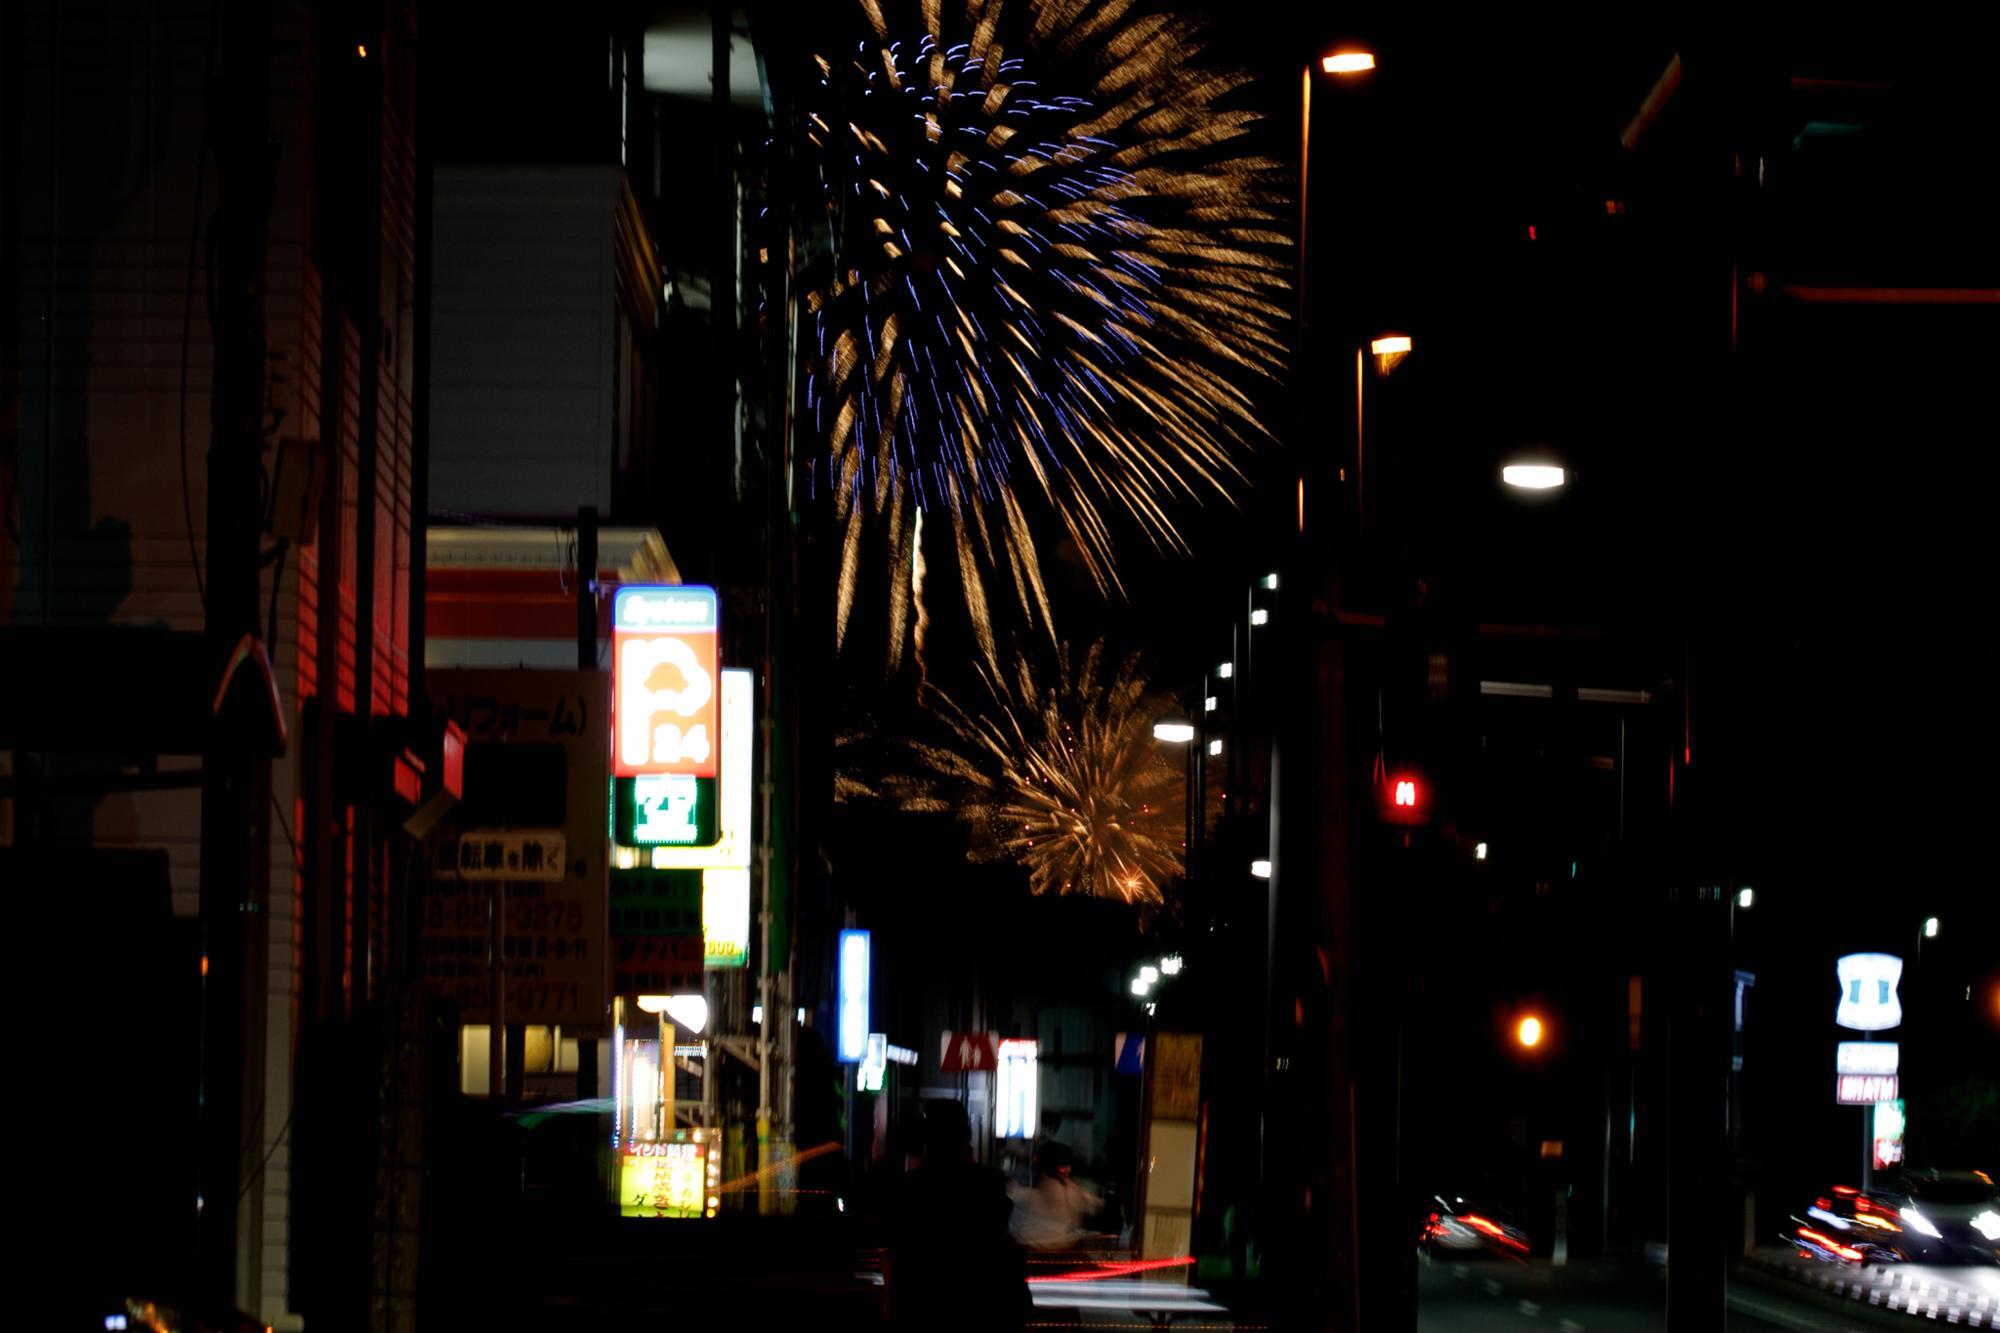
{"points": [[1404, 798]]}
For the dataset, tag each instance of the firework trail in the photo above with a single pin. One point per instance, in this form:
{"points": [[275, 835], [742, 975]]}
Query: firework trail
{"points": [[1055, 269]]}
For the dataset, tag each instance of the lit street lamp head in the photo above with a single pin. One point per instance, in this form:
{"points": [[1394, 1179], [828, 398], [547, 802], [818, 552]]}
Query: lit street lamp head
{"points": [[1176, 733], [1389, 351], [1348, 62], [1533, 476]]}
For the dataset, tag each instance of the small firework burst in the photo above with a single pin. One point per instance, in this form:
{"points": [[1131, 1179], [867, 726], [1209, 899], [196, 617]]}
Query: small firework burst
{"points": [[1055, 269], [1062, 778]]}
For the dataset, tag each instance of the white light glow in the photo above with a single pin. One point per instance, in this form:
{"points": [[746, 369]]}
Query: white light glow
{"points": [[1140, 985], [689, 1012], [1271, 581], [1179, 733], [1348, 62], [853, 996], [1479, 851], [1746, 897], [1533, 476], [1260, 617], [1390, 345], [1215, 747], [756, 1013], [1921, 1223], [1261, 869], [1987, 1224], [1930, 927], [1208, 705], [1226, 670], [1149, 974], [1171, 965]]}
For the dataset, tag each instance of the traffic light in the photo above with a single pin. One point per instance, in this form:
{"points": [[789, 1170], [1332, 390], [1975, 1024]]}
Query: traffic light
{"points": [[1403, 797]]}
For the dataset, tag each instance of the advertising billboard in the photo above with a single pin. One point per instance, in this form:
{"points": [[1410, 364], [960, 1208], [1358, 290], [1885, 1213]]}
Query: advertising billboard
{"points": [[527, 835]]}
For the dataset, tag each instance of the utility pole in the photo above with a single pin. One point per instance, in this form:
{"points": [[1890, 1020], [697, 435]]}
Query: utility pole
{"points": [[236, 773], [586, 660]]}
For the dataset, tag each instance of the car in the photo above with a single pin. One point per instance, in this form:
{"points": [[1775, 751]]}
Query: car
{"points": [[1460, 1227], [1949, 1217], [1846, 1225]]}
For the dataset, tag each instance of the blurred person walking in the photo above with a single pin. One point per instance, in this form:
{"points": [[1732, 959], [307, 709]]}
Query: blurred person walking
{"points": [[951, 1262], [1049, 1214]]}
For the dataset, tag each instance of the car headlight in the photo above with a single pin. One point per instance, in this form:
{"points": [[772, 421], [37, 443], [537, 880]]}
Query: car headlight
{"points": [[1920, 1222], [1987, 1224]]}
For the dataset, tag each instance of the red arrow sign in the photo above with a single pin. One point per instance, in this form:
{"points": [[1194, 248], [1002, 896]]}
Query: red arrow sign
{"points": [[969, 1050]]}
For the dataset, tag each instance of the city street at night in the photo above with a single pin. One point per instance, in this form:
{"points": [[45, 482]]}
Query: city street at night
{"points": [[1000, 664]]}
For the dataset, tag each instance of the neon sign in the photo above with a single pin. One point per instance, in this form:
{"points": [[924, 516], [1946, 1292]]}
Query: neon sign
{"points": [[852, 997]]}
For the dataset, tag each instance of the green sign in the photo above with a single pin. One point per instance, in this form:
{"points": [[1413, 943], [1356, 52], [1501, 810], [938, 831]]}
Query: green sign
{"points": [[663, 810]]}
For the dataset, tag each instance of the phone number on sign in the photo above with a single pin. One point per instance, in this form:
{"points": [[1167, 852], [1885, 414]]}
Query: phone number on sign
{"points": [[524, 999]]}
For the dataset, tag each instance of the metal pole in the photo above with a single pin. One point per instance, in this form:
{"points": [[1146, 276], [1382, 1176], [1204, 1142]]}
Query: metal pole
{"points": [[235, 833], [587, 1075], [496, 994]]}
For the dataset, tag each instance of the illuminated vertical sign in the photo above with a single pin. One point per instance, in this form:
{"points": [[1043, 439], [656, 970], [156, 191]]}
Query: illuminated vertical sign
{"points": [[851, 997], [725, 917], [663, 669], [1017, 1108]]}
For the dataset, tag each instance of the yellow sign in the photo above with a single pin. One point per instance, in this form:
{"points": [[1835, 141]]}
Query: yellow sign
{"points": [[666, 1180], [725, 917]]}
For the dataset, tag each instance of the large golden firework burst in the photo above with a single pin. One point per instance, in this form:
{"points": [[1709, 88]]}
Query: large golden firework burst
{"points": [[1062, 778], [1056, 268]]}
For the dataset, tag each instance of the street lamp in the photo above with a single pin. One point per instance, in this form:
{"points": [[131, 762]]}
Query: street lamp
{"points": [[1930, 927], [1389, 351], [1533, 476], [1174, 733], [1746, 897], [1260, 868], [1534, 469], [1348, 62], [1529, 1032]]}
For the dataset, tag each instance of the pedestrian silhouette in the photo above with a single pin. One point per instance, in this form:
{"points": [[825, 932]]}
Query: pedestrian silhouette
{"points": [[951, 1262]]}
